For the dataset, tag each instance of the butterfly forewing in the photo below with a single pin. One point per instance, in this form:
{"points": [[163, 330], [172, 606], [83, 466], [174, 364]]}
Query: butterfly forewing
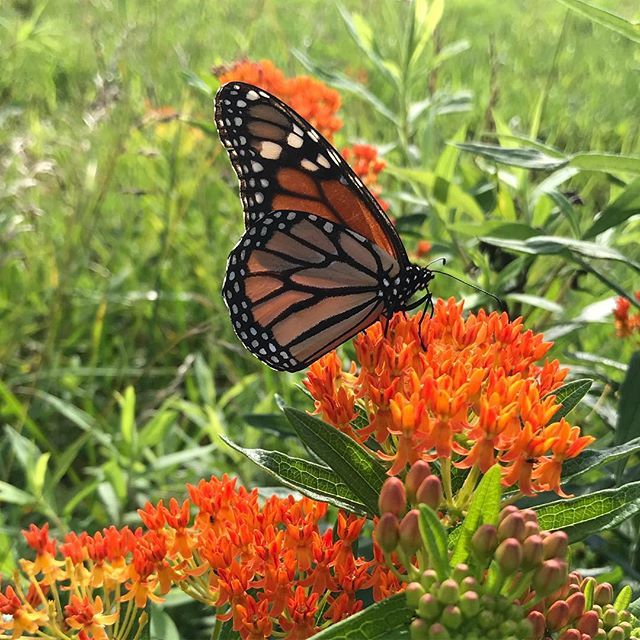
{"points": [[298, 285], [282, 162]]}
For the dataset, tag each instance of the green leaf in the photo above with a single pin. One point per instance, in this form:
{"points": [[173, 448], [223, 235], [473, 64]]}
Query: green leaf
{"points": [[623, 599], [589, 591], [628, 425], [427, 17], [606, 18], [355, 466], [535, 301], [275, 422], [13, 495], [128, 420], [384, 620], [593, 458], [161, 625], [582, 516], [554, 245], [313, 480], [434, 539], [484, 509], [605, 162], [627, 204], [526, 158], [569, 395]]}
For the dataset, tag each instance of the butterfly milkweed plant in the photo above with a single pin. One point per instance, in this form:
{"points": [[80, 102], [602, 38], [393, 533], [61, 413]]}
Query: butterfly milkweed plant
{"points": [[438, 502]]}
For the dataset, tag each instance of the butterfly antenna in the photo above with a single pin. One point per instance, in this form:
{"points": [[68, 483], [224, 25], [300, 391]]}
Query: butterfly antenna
{"points": [[500, 301]]}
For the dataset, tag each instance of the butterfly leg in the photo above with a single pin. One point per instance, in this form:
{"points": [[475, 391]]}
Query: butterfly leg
{"points": [[428, 302]]}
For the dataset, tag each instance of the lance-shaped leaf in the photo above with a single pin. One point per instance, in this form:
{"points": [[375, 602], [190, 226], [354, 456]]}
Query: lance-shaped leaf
{"points": [[628, 425], [434, 539], [309, 478], [591, 459], [627, 204], [569, 395], [582, 516], [608, 19], [351, 462], [526, 158], [384, 620], [484, 508]]}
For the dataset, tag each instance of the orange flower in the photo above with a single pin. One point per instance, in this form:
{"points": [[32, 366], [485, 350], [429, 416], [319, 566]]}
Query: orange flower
{"points": [[626, 324], [87, 616], [476, 396]]}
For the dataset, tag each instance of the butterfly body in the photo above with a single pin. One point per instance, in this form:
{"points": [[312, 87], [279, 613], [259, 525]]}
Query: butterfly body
{"points": [[319, 260]]}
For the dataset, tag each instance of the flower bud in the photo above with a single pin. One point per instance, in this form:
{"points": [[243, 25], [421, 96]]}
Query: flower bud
{"points": [[585, 582], [460, 572], [558, 615], [392, 497], [556, 545], [538, 623], [419, 630], [570, 634], [469, 604], [509, 555], [507, 629], [485, 541], [603, 594], [616, 633], [468, 584], [451, 617], [428, 578], [429, 607], [438, 632], [627, 627], [449, 592], [588, 623], [414, 592], [529, 515], [430, 492], [417, 473], [532, 552], [486, 620], [531, 529], [388, 532], [576, 602], [410, 539], [512, 527], [610, 617], [525, 630], [550, 576], [507, 511]]}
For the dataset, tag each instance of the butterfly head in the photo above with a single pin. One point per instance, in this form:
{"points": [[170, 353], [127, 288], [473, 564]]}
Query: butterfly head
{"points": [[397, 292]]}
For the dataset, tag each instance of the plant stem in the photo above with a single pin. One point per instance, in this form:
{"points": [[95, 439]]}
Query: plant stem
{"points": [[446, 481], [467, 488]]}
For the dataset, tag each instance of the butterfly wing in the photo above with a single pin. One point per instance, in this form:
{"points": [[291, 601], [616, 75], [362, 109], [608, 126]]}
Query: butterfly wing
{"points": [[282, 162], [298, 285]]}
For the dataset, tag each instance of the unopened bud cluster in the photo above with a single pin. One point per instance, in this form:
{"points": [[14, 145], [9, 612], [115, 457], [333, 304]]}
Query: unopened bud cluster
{"points": [[516, 585], [397, 529], [583, 610]]}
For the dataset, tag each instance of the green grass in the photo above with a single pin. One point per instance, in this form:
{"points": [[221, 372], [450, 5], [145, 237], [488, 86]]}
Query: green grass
{"points": [[114, 229]]}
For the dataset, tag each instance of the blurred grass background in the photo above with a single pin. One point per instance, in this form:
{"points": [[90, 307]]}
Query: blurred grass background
{"points": [[117, 357]]}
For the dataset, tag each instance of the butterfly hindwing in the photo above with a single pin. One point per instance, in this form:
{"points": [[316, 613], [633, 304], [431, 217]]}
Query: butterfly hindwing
{"points": [[283, 163], [298, 285]]}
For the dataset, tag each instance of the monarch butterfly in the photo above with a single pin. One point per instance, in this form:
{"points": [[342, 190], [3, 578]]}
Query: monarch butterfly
{"points": [[319, 260]]}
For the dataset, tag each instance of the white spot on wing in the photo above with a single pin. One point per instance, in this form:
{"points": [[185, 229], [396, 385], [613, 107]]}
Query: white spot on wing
{"points": [[294, 140], [308, 165], [323, 161], [252, 95], [270, 150]]}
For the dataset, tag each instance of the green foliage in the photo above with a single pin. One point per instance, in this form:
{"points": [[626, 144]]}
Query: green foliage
{"points": [[512, 144]]}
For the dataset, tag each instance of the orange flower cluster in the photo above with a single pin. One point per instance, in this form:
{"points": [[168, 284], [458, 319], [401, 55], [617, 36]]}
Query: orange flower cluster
{"points": [[475, 396], [626, 324], [364, 160], [267, 567], [312, 99]]}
